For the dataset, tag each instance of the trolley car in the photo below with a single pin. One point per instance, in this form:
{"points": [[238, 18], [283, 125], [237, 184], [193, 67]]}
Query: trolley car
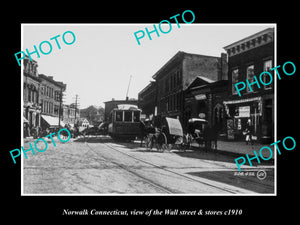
{"points": [[124, 122]]}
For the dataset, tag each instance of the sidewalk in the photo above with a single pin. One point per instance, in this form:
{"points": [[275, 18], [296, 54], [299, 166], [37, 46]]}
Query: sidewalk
{"points": [[240, 148]]}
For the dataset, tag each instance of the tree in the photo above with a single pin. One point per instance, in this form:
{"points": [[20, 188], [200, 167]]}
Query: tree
{"points": [[93, 114]]}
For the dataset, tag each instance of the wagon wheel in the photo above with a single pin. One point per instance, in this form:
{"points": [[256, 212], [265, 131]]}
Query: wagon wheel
{"points": [[180, 143], [164, 142]]}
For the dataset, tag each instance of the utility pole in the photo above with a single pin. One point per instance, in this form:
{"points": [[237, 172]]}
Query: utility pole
{"points": [[75, 107], [59, 111]]}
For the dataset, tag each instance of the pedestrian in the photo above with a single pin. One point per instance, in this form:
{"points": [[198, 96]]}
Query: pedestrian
{"points": [[248, 132], [25, 130], [142, 131], [207, 137], [214, 136]]}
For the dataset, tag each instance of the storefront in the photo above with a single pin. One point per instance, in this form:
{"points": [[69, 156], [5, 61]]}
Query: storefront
{"points": [[242, 113]]}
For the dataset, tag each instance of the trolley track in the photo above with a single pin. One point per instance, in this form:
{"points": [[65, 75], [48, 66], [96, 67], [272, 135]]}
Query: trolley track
{"points": [[167, 190], [148, 181]]}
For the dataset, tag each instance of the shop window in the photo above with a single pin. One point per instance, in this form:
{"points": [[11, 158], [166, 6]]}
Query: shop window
{"points": [[250, 77], [235, 79], [266, 78]]}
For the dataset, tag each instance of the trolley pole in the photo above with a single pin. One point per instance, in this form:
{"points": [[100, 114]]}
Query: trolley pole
{"points": [[128, 88]]}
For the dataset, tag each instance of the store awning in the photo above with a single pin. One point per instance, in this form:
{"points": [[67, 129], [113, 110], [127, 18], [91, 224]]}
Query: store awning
{"points": [[242, 100], [52, 121], [257, 99]]}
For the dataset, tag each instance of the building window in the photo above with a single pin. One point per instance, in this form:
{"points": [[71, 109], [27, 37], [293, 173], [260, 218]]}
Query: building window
{"points": [[32, 96], [29, 95], [250, 78], [57, 95], [235, 79], [56, 109], [167, 85], [266, 78], [46, 107]]}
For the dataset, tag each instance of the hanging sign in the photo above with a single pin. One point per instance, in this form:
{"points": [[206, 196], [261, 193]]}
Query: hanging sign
{"points": [[244, 111], [200, 97]]}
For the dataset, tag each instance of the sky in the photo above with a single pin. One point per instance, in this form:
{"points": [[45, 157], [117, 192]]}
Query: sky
{"points": [[98, 65]]}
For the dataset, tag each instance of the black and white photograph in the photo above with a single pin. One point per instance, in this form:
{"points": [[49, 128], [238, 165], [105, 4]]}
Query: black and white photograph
{"points": [[168, 109], [173, 113]]}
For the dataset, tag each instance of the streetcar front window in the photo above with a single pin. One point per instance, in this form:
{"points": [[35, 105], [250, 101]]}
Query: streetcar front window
{"points": [[128, 116], [119, 116], [136, 116]]}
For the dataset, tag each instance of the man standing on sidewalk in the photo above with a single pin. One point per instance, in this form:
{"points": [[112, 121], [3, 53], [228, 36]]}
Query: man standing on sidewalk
{"points": [[249, 132]]}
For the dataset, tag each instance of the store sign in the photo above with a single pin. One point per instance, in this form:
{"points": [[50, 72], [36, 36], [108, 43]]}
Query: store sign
{"points": [[200, 97], [244, 111], [143, 116]]}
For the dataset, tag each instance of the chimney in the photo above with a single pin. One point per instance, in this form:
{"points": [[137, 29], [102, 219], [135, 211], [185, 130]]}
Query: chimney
{"points": [[223, 75]]}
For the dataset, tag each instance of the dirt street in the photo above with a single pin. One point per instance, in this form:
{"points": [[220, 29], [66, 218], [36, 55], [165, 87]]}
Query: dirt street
{"points": [[99, 165]]}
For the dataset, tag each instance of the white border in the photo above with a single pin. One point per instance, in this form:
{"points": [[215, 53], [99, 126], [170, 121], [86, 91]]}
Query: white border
{"points": [[141, 24]]}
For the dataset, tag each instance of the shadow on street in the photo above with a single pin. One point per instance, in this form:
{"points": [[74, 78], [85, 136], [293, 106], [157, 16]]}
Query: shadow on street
{"points": [[194, 152]]}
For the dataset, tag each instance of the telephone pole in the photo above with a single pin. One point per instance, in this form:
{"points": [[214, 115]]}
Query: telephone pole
{"points": [[76, 103], [60, 106]]}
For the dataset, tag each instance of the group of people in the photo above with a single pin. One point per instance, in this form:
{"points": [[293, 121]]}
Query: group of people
{"points": [[34, 131], [37, 131]]}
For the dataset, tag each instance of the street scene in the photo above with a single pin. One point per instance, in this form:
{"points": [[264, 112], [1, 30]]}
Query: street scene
{"points": [[177, 134]]}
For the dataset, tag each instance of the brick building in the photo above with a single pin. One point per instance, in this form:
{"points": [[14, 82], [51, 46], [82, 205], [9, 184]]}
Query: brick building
{"points": [[246, 58], [68, 116], [147, 100], [175, 77], [204, 98], [31, 106], [50, 100]]}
